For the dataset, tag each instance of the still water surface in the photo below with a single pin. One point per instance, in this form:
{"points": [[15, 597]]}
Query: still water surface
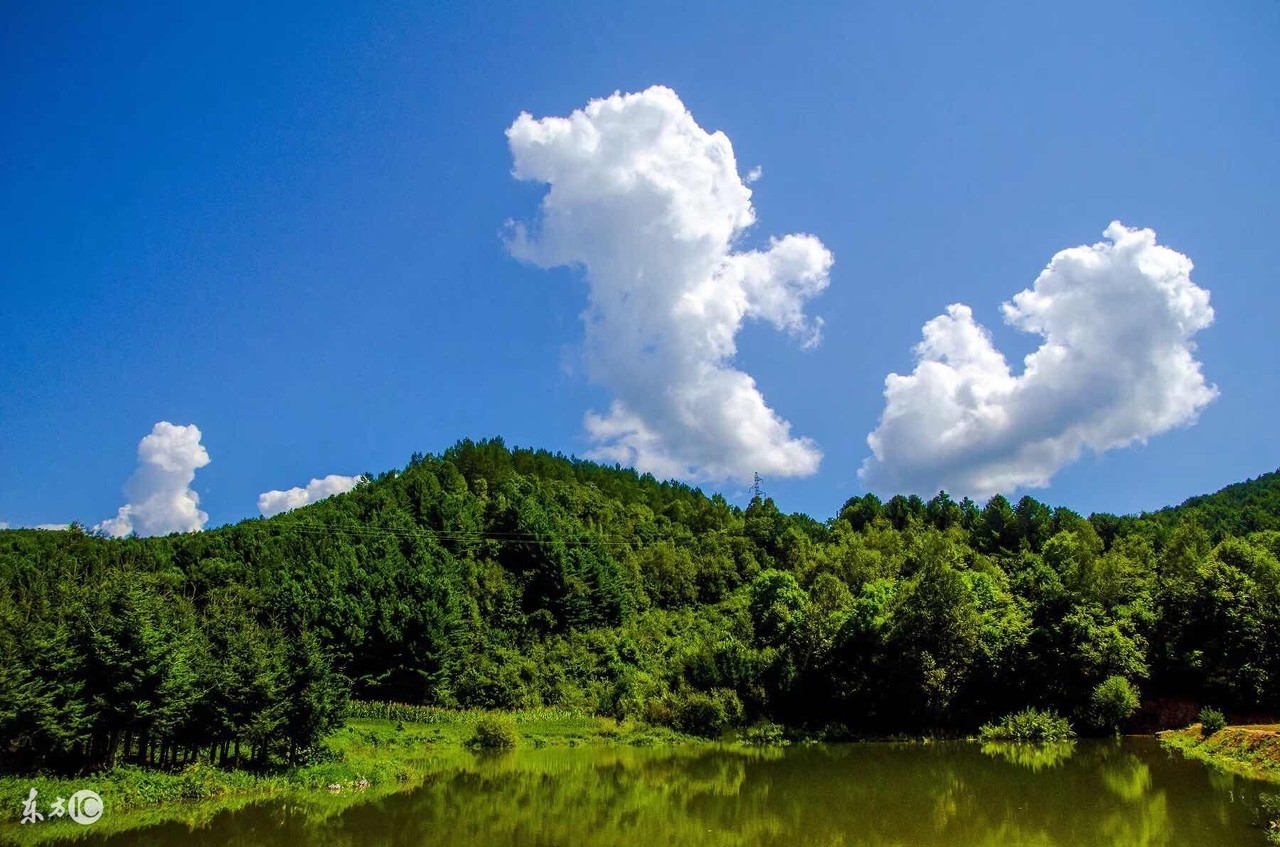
{"points": [[1129, 793]]}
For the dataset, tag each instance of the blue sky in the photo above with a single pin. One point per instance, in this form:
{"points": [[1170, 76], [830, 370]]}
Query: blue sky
{"points": [[287, 227]]}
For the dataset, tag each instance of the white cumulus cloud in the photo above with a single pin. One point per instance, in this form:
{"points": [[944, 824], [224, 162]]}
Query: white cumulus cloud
{"points": [[161, 499], [274, 502], [1116, 366], [650, 206]]}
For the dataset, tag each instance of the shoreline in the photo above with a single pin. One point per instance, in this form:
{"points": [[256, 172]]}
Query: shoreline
{"points": [[391, 756], [1251, 751]]}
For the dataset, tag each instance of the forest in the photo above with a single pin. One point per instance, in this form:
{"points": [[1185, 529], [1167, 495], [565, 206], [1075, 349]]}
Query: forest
{"points": [[506, 578]]}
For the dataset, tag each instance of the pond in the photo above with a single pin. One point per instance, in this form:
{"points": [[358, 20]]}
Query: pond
{"points": [[1128, 793]]}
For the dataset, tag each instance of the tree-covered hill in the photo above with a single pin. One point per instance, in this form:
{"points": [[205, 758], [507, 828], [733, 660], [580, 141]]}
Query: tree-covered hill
{"points": [[1249, 506], [502, 578]]}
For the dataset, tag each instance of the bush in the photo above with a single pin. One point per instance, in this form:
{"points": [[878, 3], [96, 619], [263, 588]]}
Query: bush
{"points": [[1114, 701], [495, 732], [700, 714], [707, 715], [1211, 721], [1028, 725], [766, 735], [658, 711], [199, 781]]}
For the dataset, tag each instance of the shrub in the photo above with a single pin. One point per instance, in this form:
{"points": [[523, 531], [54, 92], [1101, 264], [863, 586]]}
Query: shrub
{"points": [[658, 711], [495, 732], [1028, 725], [1114, 701], [766, 735], [700, 714], [199, 781], [707, 715], [1211, 721]]}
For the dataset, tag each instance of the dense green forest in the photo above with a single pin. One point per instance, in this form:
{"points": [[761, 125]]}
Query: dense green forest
{"points": [[501, 578]]}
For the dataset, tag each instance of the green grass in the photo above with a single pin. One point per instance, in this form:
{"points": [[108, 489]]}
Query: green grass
{"points": [[1252, 752], [390, 754]]}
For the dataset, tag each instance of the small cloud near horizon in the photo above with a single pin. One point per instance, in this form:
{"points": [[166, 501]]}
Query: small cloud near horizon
{"points": [[274, 502], [160, 497]]}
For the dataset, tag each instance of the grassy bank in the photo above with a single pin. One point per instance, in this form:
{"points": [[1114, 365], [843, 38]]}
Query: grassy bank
{"points": [[387, 753], [1250, 751]]}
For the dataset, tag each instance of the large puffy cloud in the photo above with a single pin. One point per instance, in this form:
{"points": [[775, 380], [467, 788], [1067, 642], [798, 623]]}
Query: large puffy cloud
{"points": [[274, 502], [161, 499], [650, 205], [1116, 367]]}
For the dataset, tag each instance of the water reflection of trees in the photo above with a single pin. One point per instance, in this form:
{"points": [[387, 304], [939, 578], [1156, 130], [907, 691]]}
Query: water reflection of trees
{"points": [[869, 795], [1035, 756]]}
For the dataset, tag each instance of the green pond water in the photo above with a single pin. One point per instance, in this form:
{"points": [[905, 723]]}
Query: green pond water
{"points": [[1129, 793]]}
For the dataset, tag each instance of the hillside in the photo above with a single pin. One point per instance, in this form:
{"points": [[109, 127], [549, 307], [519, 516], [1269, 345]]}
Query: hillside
{"points": [[1249, 506], [510, 578]]}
